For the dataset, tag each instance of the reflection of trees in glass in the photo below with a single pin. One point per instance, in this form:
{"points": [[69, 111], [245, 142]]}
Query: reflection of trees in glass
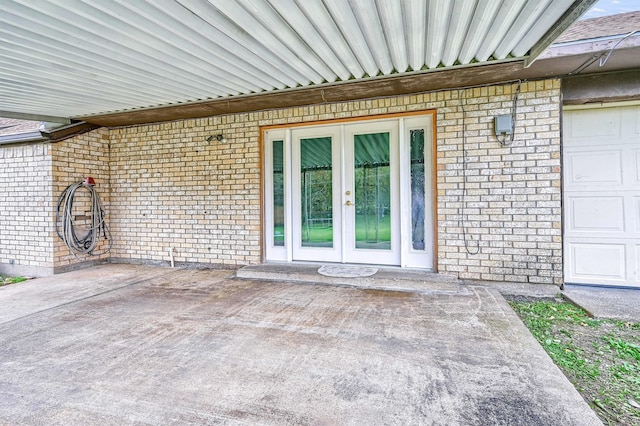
{"points": [[278, 197], [417, 189], [317, 207], [372, 190], [278, 194], [372, 198], [317, 192]]}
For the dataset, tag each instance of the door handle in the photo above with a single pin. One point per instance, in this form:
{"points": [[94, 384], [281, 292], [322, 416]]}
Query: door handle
{"points": [[349, 203]]}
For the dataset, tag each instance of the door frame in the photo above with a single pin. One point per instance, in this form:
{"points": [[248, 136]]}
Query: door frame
{"points": [[410, 258]]}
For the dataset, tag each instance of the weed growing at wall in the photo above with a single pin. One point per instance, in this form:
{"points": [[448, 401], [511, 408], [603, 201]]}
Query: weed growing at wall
{"points": [[5, 280]]}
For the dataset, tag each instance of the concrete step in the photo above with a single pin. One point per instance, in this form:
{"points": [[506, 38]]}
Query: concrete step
{"points": [[382, 278]]}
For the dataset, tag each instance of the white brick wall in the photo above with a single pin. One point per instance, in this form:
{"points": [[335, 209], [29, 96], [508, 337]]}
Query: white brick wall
{"points": [[73, 160], [512, 211], [26, 246], [172, 188], [169, 187]]}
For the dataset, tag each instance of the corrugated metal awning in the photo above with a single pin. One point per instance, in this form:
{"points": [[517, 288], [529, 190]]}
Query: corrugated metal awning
{"points": [[76, 58]]}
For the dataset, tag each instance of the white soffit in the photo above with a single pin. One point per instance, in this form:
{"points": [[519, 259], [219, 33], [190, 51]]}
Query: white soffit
{"points": [[75, 58]]}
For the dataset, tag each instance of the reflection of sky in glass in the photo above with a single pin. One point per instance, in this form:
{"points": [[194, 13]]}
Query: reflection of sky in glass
{"points": [[611, 7]]}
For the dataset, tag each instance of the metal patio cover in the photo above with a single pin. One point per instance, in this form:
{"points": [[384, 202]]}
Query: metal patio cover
{"points": [[79, 58]]}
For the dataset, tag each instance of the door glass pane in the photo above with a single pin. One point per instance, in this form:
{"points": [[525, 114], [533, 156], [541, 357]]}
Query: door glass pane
{"points": [[317, 192], [372, 191], [417, 189], [278, 194]]}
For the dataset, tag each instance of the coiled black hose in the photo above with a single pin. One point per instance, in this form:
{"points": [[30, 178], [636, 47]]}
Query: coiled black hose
{"points": [[67, 229]]}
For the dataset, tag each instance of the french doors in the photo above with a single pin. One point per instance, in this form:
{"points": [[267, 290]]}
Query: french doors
{"points": [[334, 194], [344, 193]]}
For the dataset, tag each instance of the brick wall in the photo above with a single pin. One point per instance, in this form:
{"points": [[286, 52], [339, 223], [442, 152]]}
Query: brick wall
{"points": [[166, 187], [174, 189], [26, 245], [73, 160], [511, 212], [171, 188]]}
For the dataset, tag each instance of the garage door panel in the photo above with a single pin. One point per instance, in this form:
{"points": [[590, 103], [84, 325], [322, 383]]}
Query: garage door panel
{"points": [[593, 123], [596, 214], [636, 265], [636, 216], [598, 261], [594, 168], [601, 195]]}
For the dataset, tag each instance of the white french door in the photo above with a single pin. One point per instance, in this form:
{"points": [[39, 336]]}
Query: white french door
{"points": [[371, 194], [336, 193], [316, 203]]}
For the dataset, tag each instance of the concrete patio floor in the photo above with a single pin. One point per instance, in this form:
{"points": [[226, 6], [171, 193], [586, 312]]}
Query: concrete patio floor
{"points": [[141, 345]]}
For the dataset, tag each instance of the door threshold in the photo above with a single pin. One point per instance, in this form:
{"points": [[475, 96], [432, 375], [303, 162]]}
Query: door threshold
{"points": [[388, 278]]}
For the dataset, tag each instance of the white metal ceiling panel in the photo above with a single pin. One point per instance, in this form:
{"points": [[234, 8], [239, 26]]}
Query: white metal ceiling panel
{"points": [[74, 58], [393, 30]]}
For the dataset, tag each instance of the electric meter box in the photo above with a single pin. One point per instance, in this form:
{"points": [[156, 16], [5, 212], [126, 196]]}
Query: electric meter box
{"points": [[502, 124]]}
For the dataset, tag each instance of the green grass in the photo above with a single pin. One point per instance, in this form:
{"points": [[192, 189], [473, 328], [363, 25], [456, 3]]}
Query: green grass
{"points": [[623, 349], [4, 280], [600, 357], [321, 233], [368, 233], [539, 318]]}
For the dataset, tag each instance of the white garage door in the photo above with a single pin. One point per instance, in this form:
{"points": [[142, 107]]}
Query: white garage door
{"points": [[602, 195]]}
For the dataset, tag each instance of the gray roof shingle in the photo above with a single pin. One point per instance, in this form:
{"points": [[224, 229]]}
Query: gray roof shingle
{"points": [[604, 26], [12, 126]]}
